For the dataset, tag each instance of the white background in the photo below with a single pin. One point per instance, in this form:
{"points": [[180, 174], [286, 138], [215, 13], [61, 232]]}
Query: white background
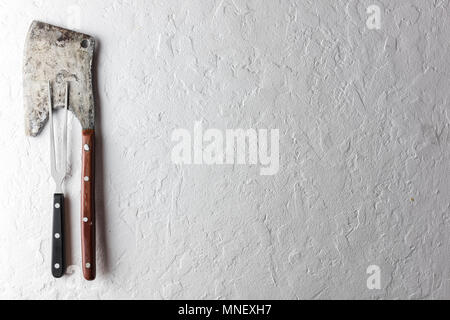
{"points": [[364, 140]]}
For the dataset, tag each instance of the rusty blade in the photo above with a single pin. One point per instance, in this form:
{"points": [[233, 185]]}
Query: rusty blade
{"points": [[57, 55]]}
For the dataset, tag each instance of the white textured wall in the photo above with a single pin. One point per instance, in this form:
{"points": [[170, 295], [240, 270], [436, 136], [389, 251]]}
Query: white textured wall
{"points": [[364, 178]]}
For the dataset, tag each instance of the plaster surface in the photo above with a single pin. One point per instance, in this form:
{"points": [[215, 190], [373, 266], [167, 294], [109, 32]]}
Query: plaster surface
{"points": [[364, 172]]}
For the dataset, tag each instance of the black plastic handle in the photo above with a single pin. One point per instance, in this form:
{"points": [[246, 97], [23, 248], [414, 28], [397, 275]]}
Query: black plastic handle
{"points": [[58, 254]]}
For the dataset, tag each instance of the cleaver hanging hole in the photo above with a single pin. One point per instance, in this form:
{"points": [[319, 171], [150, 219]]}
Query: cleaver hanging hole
{"points": [[84, 44]]}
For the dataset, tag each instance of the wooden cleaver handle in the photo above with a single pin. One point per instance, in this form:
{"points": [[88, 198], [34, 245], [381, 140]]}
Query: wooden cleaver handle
{"points": [[88, 206]]}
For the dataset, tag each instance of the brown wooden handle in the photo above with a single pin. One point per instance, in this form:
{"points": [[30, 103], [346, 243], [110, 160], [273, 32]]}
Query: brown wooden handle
{"points": [[88, 206]]}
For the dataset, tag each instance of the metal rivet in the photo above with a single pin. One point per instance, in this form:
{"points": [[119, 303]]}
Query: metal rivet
{"points": [[88, 265], [86, 147], [57, 236], [85, 219], [86, 179], [57, 205], [57, 265]]}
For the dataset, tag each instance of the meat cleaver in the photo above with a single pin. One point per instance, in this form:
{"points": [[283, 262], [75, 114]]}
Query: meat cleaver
{"points": [[58, 56]]}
